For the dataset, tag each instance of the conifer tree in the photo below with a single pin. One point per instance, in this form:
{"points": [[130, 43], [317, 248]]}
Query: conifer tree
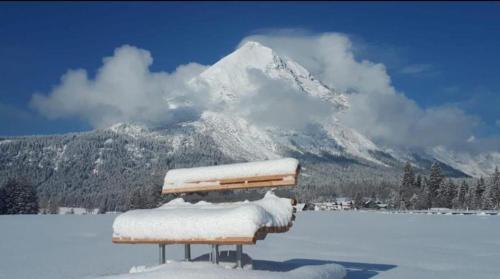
{"points": [[407, 183], [413, 202], [152, 196], [446, 193], [470, 197], [478, 195], [435, 179], [43, 205], [496, 187], [136, 199], [488, 200], [103, 206], [490, 194], [459, 199], [20, 197], [358, 200], [3, 208], [418, 182], [53, 206], [424, 197]]}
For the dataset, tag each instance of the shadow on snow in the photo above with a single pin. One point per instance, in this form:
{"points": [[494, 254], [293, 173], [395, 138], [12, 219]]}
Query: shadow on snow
{"points": [[354, 270]]}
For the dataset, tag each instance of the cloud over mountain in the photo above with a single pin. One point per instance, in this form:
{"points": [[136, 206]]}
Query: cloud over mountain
{"points": [[126, 90], [377, 109], [123, 90]]}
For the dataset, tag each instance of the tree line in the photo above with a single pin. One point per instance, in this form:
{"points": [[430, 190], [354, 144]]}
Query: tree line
{"points": [[437, 191], [414, 191], [19, 196]]}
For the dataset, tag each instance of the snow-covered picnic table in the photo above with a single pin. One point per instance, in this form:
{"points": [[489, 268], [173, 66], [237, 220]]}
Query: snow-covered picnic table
{"points": [[205, 223], [235, 223], [228, 223]]}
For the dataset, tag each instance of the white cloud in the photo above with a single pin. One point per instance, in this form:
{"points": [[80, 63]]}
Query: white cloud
{"points": [[124, 90], [276, 103], [377, 110]]}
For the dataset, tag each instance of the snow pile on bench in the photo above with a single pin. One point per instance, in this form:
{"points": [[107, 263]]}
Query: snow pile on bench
{"points": [[214, 175], [179, 220]]}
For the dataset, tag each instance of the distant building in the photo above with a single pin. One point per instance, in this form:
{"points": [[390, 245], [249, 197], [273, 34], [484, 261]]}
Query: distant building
{"points": [[344, 203], [374, 204]]}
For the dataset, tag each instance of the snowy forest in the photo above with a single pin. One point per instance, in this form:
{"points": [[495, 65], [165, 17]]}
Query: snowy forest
{"points": [[437, 191], [414, 191]]}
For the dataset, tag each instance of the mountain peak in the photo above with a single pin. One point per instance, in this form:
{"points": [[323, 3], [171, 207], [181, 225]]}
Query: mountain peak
{"points": [[230, 77], [250, 55], [253, 45]]}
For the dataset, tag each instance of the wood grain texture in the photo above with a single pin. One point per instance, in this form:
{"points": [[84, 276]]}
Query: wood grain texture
{"points": [[235, 183]]}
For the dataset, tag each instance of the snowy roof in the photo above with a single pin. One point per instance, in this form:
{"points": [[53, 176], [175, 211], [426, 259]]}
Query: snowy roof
{"points": [[270, 173], [203, 222]]}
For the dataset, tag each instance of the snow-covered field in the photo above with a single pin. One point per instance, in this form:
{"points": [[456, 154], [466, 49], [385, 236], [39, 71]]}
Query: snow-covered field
{"points": [[368, 244]]}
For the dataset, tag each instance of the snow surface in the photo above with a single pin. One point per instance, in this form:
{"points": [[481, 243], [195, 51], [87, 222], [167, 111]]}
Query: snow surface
{"points": [[201, 270], [367, 244], [178, 219], [178, 177]]}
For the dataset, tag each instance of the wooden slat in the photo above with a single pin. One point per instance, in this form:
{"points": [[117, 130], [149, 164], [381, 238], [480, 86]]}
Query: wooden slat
{"points": [[220, 241], [260, 234], [233, 184], [248, 178]]}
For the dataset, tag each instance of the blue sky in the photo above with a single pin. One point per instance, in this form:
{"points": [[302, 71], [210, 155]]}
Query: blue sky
{"points": [[435, 53]]}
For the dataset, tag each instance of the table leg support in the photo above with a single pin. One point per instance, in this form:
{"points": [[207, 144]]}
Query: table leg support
{"points": [[187, 252], [239, 252], [162, 254]]}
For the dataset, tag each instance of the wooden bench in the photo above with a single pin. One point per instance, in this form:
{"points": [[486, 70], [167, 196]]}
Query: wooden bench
{"points": [[252, 175]]}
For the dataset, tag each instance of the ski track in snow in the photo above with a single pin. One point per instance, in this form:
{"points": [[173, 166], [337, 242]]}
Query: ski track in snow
{"points": [[368, 244]]}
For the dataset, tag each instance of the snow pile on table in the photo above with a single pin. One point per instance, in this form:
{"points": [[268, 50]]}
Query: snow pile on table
{"points": [[178, 177], [195, 270], [180, 220]]}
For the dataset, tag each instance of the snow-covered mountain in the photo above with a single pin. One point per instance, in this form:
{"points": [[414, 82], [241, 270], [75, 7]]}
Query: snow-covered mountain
{"points": [[230, 78], [110, 161]]}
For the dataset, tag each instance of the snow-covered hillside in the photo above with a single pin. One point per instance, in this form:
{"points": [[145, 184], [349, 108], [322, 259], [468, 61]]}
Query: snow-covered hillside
{"points": [[482, 164]]}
